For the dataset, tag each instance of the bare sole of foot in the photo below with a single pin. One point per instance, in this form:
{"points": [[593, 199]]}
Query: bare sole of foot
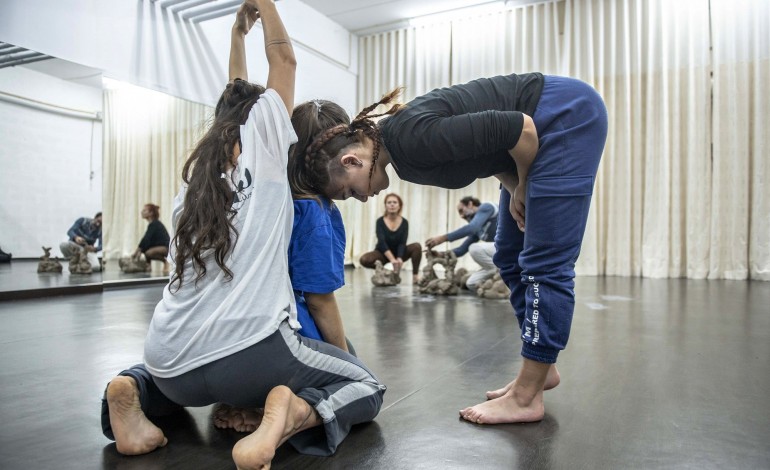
{"points": [[551, 381], [285, 415], [505, 410], [239, 419], [134, 433]]}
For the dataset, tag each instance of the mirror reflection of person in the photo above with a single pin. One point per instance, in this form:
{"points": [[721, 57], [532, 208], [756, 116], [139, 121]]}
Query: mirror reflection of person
{"points": [[85, 234], [392, 233], [154, 243], [479, 238]]}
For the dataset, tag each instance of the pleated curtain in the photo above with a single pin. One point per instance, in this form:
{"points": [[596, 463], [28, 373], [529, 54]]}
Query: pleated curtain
{"points": [[682, 190], [147, 138]]}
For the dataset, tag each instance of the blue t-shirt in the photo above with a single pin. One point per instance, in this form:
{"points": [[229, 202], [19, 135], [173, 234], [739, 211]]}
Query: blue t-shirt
{"points": [[316, 256]]}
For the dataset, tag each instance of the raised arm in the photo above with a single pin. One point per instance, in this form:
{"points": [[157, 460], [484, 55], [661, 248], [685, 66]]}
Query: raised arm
{"points": [[244, 20], [282, 64]]}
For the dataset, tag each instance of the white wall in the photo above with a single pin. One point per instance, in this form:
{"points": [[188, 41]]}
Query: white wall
{"points": [[46, 160], [51, 163], [140, 43]]}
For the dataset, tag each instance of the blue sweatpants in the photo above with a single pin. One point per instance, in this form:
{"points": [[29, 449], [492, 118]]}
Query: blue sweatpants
{"points": [[538, 265]]}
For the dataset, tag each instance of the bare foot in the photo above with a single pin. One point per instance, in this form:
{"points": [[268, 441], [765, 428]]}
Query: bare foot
{"points": [[285, 415], [134, 433], [240, 419], [415, 279], [506, 409], [551, 381]]}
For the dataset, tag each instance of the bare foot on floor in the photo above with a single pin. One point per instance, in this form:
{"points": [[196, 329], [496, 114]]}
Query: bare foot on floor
{"points": [[240, 419], [285, 415], [134, 433], [551, 381], [506, 409]]}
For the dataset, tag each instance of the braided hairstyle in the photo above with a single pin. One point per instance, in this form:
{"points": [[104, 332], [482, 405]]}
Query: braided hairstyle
{"points": [[320, 160], [205, 225], [309, 119]]}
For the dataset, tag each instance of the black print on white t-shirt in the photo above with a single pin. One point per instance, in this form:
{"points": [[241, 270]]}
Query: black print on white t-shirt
{"points": [[240, 195]]}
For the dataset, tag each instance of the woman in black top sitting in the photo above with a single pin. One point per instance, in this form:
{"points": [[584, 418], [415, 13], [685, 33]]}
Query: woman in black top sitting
{"points": [[392, 232], [154, 244]]}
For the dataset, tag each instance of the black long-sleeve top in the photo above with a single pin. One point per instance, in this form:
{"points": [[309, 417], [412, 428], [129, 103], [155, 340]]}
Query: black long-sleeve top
{"points": [[156, 235], [395, 241], [451, 136]]}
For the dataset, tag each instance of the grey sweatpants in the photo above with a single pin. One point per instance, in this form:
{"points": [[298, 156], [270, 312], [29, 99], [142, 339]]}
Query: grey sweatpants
{"points": [[335, 383]]}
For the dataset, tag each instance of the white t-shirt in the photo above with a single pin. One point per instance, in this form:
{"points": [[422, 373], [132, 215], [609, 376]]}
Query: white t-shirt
{"points": [[198, 324]]}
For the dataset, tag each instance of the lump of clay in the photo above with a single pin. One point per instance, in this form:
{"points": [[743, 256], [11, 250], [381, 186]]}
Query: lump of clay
{"points": [[493, 288], [79, 263], [48, 265], [430, 283], [384, 277], [130, 264]]}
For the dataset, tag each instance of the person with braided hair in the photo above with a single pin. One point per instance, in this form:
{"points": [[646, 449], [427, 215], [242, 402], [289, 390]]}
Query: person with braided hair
{"points": [[226, 328], [542, 137], [317, 246], [316, 254]]}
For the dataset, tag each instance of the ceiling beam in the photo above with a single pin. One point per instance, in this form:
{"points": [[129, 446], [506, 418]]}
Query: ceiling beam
{"points": [[188, 5], [218, 6], [215, 14], [6, 59], [170, 3]]}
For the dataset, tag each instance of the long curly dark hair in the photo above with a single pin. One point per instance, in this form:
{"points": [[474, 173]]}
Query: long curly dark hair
{"points": [[320, 159], [205, 225], [309, 119]]}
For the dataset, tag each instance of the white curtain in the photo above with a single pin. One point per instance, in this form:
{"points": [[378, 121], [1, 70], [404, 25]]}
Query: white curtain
{"points": [[417, 59], [740, 200], [649, 59], [426, 57], [147, 138], [663, 205]]}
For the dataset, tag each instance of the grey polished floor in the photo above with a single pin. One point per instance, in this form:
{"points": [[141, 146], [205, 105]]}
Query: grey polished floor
{"points": [[658, 374], [20, 280]]}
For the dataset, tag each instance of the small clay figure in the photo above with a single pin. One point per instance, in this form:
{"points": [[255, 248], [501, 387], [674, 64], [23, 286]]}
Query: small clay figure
{"points": [[430, 282], [384, 277], [79, 263], [48, 265], [493, 288], [130, 264]]}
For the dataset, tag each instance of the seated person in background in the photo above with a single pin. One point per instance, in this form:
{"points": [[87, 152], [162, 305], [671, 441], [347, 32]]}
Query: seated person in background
{"points": [[480, 237], [154, 244], [85, 234], [392, 233]]}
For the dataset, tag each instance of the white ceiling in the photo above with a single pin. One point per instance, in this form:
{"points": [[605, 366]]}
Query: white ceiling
{"points": [[361, 16], [357, 16]]}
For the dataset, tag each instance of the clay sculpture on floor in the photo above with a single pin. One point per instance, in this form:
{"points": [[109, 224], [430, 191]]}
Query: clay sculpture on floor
{"points": [[48, 265], [430, 283]]}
